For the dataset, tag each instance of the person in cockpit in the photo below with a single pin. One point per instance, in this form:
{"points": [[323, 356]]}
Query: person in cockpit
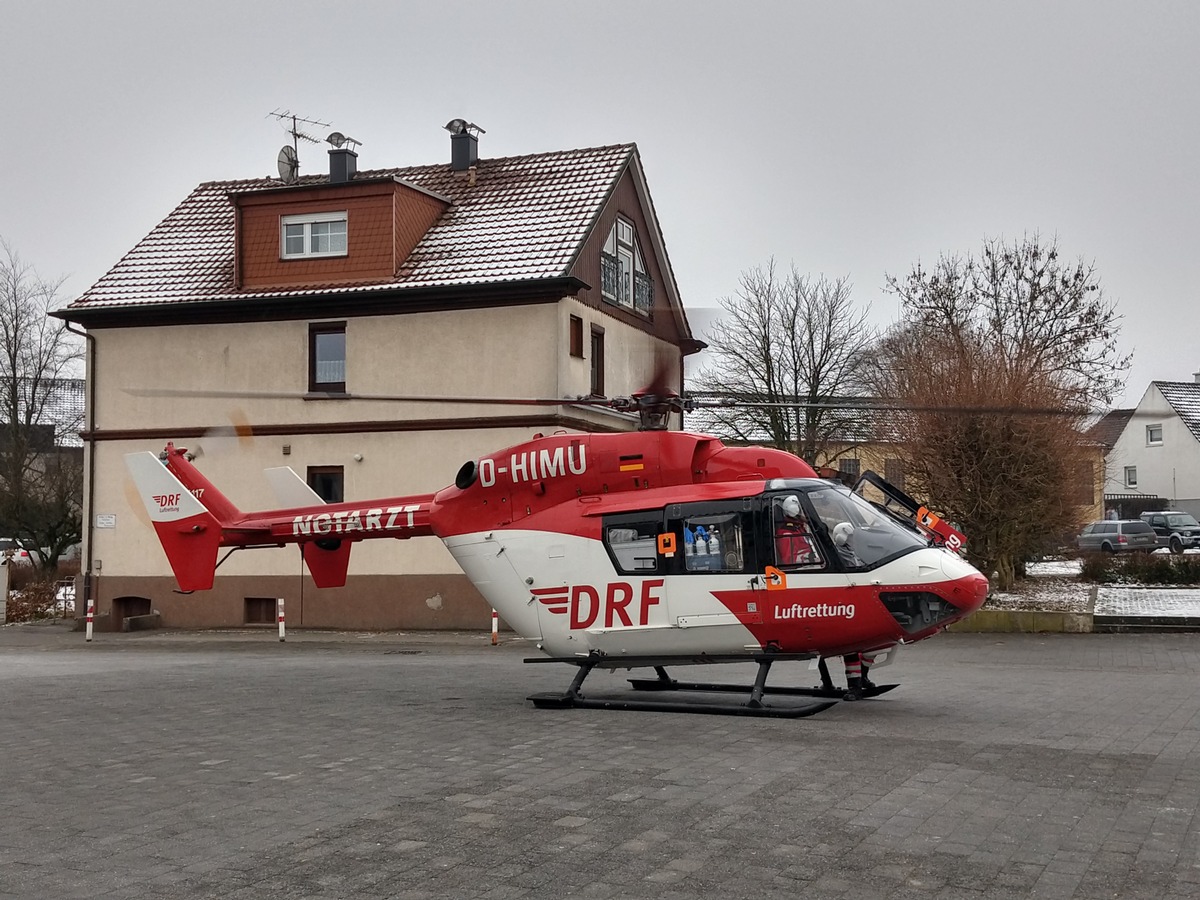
{"points": [[793, 535]]}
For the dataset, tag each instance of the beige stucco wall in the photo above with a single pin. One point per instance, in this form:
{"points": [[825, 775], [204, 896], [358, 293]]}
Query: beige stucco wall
{"points": [[427, 354]]}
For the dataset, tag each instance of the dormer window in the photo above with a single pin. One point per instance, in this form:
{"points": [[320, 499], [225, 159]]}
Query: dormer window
{"points": [[313, 235], [623, 277]]}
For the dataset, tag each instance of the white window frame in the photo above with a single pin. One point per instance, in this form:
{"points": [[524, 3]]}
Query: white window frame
{"points": [[307, 221], [1131, 476], [1151, 440], [622, 243]]}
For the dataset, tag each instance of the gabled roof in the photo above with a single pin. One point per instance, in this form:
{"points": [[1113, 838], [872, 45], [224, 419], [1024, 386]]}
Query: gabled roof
{"points": [[1108, 429], [1184, 397], [520, 218]]}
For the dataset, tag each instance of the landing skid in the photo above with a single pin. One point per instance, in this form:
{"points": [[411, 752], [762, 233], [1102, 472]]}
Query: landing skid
{"points": [[665, 683], [754, 705]]}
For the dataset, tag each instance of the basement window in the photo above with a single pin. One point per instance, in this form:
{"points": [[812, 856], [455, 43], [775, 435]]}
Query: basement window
{"points": [[260, 611], [313, 235]]}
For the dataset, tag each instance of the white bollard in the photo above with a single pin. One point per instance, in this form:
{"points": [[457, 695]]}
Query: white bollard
{"points": [[282, 630], [91, 615], [495, 628]]}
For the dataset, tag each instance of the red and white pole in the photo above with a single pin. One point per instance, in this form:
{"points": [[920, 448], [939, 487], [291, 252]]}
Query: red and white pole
{"points": [[282, 628], [91, 616], [495, 628]]}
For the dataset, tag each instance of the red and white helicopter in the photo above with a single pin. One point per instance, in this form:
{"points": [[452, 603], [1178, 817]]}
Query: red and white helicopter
{"points": [[642, 549]]}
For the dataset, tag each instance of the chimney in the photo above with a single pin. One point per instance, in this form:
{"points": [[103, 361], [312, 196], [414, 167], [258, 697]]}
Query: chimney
{"points": [[464, 144], [343, 163], [1196, 375]]}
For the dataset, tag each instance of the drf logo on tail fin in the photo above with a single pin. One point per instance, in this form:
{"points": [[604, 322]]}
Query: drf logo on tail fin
{"points": [[170, 502]]}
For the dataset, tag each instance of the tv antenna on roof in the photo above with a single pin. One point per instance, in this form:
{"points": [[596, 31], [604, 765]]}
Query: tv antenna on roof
{"points": [[289, 157]]}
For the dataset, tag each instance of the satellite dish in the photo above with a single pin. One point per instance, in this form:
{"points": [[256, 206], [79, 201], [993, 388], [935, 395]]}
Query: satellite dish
{"points": [[289, 164], [337, 139]]}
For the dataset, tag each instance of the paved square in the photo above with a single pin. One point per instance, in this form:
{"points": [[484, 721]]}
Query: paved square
{"points": [[187, 766]]}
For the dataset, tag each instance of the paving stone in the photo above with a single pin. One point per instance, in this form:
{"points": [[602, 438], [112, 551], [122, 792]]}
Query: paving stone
{"points": [[198, 766]]}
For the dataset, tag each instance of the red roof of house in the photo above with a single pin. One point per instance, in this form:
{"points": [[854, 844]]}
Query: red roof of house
{"points": [[521, 218]]}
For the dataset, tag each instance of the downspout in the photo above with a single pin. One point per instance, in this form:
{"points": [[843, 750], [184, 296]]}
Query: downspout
{"points": [[88, 593]]}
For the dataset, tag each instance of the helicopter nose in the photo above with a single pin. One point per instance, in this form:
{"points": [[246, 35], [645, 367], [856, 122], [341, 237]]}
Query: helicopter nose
{"points": [[970, 586]]}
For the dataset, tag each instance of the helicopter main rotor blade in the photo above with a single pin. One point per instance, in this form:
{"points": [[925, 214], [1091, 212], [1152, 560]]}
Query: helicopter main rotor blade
{"points": [[883, 406], [390, 398]]}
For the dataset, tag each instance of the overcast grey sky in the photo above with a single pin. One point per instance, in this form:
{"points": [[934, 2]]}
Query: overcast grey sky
{"points": [[847, 138]]}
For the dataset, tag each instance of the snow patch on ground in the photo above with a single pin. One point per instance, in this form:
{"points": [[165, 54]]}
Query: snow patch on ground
{"points": [[1052, 586]]}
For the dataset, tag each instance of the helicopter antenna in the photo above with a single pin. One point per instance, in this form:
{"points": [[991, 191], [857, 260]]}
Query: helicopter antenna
{"points": [[291, 161]]}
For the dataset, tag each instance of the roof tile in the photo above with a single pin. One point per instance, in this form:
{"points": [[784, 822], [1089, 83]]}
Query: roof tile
{"points": [[1184, 397], [523, 218]]}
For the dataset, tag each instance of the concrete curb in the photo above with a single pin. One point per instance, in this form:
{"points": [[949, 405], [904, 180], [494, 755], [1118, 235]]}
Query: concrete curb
{"points": [[1030, 621], [1025, 621]]}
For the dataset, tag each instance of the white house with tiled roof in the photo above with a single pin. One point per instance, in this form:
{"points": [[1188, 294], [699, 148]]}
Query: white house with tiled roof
{"points": [[284, 315], [1158, 451]]}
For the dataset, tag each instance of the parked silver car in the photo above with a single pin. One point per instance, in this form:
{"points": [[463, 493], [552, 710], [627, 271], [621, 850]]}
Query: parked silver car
{"points": [[1117, 536]]}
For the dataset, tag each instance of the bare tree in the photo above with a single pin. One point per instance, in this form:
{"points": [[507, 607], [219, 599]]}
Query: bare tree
{"points": [[998, 359], [40, 478], [789, 340]]}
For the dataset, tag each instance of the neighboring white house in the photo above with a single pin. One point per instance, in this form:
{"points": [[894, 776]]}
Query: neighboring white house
{"points": [[1158, 451]]}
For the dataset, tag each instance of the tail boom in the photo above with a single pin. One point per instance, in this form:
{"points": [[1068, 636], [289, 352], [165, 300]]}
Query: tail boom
{"points": [[193, 520]]}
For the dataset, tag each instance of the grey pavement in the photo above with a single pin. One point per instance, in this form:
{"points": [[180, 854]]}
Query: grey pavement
{"points": [[160, 765]]}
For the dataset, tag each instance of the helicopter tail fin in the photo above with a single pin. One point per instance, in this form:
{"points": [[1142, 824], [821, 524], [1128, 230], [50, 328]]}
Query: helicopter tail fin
{"points": [[187, 529]]}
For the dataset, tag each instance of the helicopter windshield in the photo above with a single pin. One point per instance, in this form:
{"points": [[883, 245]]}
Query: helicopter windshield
{"points": [[863, 535]]}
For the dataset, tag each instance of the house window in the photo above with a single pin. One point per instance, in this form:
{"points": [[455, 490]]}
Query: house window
{"points": [[328, 482], [327, 357], [597, 387], [1131, 476], [623, 276], [1153, 435], [849, 468], [577, 337], [317, 234]]}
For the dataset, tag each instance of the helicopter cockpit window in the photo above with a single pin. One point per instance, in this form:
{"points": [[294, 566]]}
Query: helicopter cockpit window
{"points": [[795, 544], [713, 543], [863, 535], [634, 545]]}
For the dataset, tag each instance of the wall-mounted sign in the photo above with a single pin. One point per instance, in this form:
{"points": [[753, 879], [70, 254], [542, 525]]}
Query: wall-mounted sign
{"points": [[106, 520]]}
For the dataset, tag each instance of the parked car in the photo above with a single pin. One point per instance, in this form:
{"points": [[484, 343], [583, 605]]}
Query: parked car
{"points": [[1177, 531], [1117, 536], [16, 553]]}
